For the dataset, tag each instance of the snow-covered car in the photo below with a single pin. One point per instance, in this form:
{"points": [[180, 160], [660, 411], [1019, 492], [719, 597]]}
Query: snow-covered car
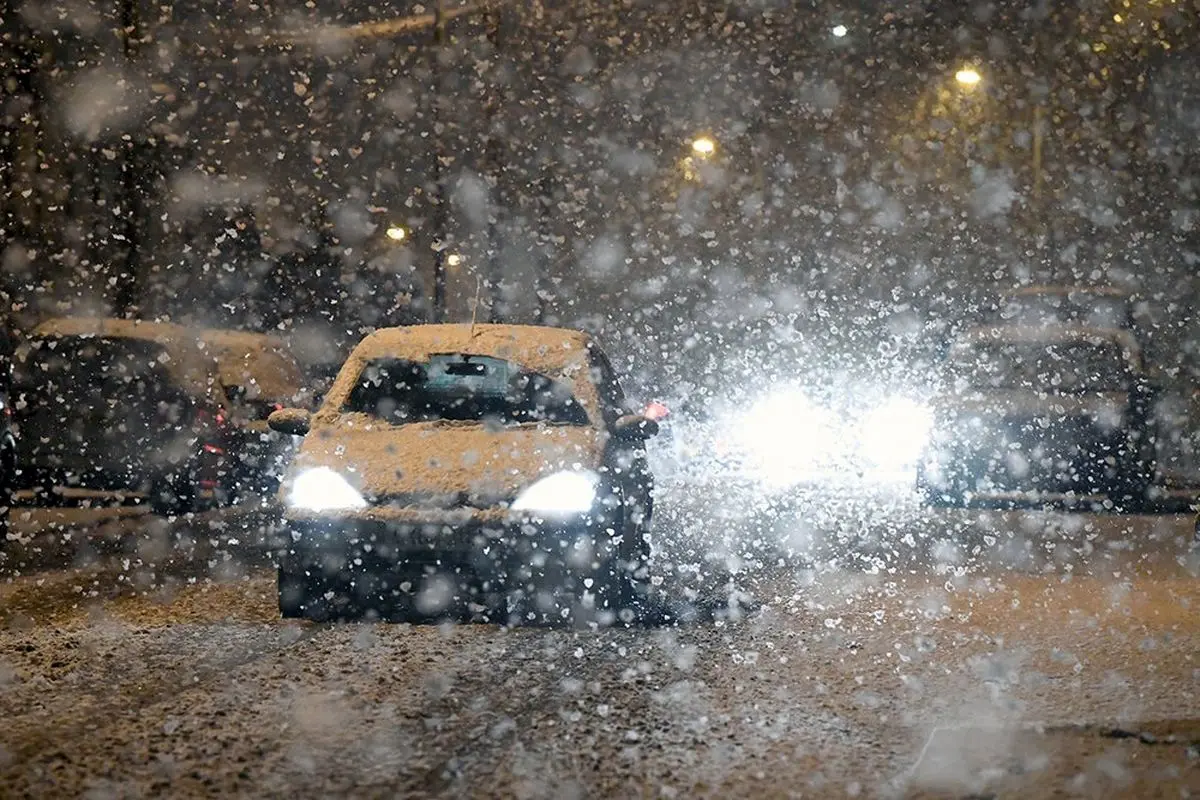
{"points": [[1059, 410], [489, 465], [124, 406], [1091, 306], [8, 462], [259, 376]]}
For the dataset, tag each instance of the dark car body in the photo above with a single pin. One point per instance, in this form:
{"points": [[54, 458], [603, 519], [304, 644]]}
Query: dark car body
{"points": [[415, 466], [258, 376], [120, 406], [1084, 306], [1062, 409]]}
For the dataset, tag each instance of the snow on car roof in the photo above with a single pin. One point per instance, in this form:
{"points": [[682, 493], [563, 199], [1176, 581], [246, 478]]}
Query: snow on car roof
{"points": [[162, 332], [1045, 333], [254, 358], [189, 362], [1107, 291], [541, 349], [1051, 334], [556, 352]]}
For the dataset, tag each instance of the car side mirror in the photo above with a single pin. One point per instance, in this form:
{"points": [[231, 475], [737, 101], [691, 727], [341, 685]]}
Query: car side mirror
{"points": [[292, 421], [635, 428]]}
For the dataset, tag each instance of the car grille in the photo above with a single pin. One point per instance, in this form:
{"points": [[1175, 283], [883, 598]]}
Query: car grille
{"points": [[439, 501]]}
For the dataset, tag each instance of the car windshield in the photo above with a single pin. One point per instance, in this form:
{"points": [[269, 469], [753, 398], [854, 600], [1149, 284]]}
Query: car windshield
{"points": [[1077, 308], [72, 370], [1069, 368], [82, 402], [461, 388]]}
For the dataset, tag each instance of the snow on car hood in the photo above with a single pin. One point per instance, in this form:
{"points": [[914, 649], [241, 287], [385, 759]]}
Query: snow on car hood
{"points": [[1027, 403], [413, 462]]}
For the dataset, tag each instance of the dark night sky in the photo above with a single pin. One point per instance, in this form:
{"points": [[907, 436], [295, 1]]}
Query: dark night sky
{"points": [[814, 209]]}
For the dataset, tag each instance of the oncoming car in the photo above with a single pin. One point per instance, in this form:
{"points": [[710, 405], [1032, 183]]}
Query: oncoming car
{"points": [[1060, 410], [488, 467]]}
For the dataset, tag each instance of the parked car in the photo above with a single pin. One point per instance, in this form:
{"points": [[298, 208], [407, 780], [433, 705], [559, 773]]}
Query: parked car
{"points": [[1064, 409], [123, 406], [1091, 306], [1038, 306], [258, 375], [8, 463], [492, 464]]}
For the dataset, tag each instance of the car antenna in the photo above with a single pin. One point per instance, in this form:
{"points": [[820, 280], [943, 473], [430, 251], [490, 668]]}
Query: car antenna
{"points": [[475, 306]]}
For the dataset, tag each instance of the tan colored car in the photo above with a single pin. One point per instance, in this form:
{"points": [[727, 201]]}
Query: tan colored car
{"points": [[489, 467]]}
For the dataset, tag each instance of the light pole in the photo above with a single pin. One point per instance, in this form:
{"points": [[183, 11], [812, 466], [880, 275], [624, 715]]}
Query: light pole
{"points": [[493, 160], [1039, 113], [441, 211], [134, 174]]}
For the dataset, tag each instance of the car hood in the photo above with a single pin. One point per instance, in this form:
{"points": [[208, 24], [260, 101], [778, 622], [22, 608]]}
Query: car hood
{"points": [[1027, 403], [422, 463]]}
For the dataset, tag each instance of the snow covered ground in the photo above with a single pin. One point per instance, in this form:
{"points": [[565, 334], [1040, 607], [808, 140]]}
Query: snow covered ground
{"points": [[1058, 657]]}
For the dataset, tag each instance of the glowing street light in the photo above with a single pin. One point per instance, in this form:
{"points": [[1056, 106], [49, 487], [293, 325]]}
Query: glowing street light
{"points": [[396, 233], [703, 146], [453, 260], [968, 76], [839, 31]]}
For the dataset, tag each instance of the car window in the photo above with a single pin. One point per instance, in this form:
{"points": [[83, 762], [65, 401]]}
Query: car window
{"points": [[461, 388], [1080, 308], [94, 376], [77, 364], [1061, 368], [612, 398]]}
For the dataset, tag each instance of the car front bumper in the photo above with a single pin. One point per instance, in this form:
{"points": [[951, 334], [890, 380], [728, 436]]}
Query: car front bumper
{"points": [[404, 542]]}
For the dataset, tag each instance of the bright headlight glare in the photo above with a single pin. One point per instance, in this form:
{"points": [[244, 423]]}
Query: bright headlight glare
{"points": [[785, 436], [894, 434], [563, 493], [323, 489]]}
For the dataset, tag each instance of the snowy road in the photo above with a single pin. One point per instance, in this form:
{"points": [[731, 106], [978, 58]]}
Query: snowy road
{"points": [[1011, 653]]}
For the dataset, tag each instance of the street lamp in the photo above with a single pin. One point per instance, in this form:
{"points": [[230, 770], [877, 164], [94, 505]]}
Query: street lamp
{"points": [[968, 76], [704, 146], [839, 31], [396, 233], [453, 260]]}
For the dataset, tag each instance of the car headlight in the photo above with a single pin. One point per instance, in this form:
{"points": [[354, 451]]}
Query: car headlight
{"points": [[560, 494], [894, 434], [323, 489], [785, 435]]}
